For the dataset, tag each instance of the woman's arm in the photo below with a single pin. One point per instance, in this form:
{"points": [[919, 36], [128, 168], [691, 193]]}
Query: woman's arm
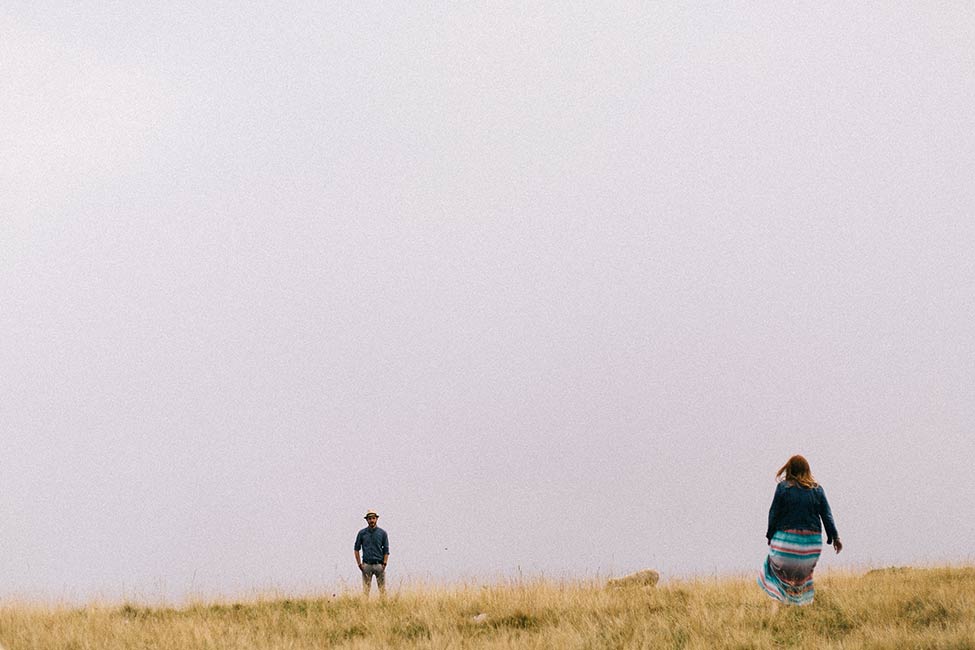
{"points": [[773, 513], [826, 514]]}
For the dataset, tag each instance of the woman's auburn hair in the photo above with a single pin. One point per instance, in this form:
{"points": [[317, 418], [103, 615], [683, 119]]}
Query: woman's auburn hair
{"points": [[796, 470]]}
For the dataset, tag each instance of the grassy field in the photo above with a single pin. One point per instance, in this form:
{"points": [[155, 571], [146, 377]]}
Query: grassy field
{"points": [[892, 608]]}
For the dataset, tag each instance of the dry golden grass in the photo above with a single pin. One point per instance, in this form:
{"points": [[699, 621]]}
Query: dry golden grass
{"points": [[932, 609]]}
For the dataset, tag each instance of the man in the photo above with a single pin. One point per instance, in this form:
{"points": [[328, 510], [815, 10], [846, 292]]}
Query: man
{"points": [[374, 544]]}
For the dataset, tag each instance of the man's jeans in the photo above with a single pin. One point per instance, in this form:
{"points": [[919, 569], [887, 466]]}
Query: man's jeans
{"points": [[370, 570]]}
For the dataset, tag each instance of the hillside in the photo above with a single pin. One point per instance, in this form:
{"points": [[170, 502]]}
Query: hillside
{"points": [[932, 609]]}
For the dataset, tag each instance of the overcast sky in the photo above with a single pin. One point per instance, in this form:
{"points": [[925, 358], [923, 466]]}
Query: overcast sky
{"points": [[555, 287]]}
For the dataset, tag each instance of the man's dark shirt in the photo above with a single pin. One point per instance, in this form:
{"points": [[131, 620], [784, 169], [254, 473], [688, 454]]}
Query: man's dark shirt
{"points": [[374, 544]]}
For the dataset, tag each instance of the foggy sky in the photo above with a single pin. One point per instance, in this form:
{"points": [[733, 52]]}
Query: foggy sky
{"points": [[555, 288]]}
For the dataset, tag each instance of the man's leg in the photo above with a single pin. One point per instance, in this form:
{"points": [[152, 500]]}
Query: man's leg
{"points": [[366, 579], [381, 580]]}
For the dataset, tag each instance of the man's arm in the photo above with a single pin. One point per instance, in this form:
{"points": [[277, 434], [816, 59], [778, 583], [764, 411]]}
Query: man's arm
{"points": [[358, 545], [385, 549]]}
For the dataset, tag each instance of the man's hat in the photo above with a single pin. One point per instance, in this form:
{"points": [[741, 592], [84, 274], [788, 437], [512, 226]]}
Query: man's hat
{"points": [[371, 512]]}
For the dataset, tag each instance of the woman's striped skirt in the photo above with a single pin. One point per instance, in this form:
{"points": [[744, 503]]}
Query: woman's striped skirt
{"points": [[787, 574]]}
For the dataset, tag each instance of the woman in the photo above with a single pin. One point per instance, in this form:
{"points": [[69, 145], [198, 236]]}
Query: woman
{"points": [[795, 535]]}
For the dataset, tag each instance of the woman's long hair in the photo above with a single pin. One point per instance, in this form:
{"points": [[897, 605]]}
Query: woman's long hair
{"points": [[796, 470]]}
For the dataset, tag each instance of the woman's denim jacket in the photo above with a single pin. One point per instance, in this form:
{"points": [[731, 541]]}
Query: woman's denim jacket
{"points": [[797, 508]]}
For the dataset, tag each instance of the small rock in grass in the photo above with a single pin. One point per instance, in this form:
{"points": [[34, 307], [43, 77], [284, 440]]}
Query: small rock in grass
{"points": [[646, 578]]}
